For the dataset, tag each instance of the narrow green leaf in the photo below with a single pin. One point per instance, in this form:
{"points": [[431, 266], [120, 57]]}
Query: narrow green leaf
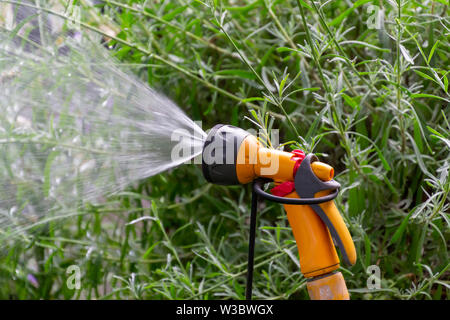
{"points": [[171, 15], [418, 135], [282, 84], [418, 253], [418, 155], [285, 49], [435, 132], [368, 250], [426, 95], [253, 99], [149, 250], [244, 9], [432, 51], [47, 171], [365, 44], [313, 128], [352, 103], [406, 54], [347, 12], [424, 75], [12, 34], [401, 229], [237, 73], [304, 4], [380, 154]]}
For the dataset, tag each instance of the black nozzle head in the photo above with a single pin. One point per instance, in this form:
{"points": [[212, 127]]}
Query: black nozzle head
{"points": [[220, 151]]}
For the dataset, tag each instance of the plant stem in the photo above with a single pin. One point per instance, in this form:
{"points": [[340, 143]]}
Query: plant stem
{"points": [[274, 98], [339, 48], [170, 24], [399, 77], [327, 89]]}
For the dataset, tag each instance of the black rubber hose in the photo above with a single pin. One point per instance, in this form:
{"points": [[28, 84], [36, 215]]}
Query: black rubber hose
{"points": [[251, 245]]}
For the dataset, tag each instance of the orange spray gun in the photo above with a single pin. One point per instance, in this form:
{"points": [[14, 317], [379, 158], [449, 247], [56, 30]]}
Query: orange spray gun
{"points": [[306, 188]]}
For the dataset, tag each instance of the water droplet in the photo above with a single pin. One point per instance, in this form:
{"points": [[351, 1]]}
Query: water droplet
{"points": [[87, 165]]}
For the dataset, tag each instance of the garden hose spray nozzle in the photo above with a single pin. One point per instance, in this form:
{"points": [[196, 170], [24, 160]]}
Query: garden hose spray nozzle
{"points": [[306, 188]]}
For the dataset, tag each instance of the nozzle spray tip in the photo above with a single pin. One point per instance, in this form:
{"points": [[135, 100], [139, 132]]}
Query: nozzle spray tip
{"points": [[322, 170]]}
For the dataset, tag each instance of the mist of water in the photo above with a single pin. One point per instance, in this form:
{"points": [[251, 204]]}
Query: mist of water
{"points": [[74, 125]]}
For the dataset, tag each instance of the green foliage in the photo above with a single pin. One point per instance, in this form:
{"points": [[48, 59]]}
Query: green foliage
{"points": [[373, 103]]}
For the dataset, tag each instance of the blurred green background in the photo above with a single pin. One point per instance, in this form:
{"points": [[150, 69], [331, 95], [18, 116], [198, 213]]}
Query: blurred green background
{"points": [[365, 85]]}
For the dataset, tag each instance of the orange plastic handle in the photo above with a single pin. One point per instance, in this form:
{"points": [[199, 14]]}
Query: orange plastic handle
{"points": [[315, 247]]}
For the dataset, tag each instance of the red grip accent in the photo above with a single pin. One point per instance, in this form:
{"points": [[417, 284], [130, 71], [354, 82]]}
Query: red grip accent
{"points": [[283, 189], [298, 156], [287, 187]]}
